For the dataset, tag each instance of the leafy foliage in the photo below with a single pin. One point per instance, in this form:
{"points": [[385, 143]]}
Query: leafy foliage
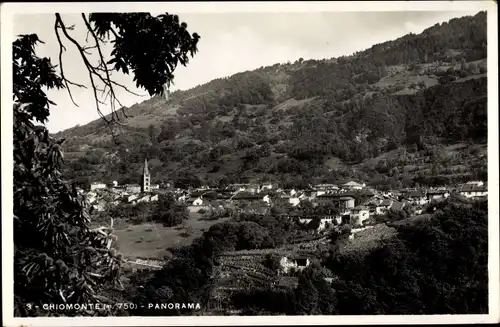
{"points": [[166, 38], [58, 258], [432, 267]]}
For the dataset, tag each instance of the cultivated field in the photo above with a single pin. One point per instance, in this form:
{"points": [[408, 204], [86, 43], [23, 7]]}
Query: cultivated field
{"points": [[151, 240]]}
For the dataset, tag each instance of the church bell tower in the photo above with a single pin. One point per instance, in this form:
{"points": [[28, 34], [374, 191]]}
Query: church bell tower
{"points": [[146, 178]]}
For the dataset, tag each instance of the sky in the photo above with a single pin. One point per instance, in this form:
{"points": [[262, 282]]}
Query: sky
{"points": [[230, 43]]}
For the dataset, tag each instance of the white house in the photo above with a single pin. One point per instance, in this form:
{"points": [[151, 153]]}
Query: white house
{"points": [[97, 186], [472, 191], [305, 220], [326, 187], [132, 198], [198, 201], [91, 197], [437, 194], [267, 199], [298, 263], [416, 197], [145, 198], [353, 186], [318, 193], [293, 192], [294, 201], [384, 206], [100, 205], [267, 186], [475, 183], [325, 222], [359, 215]]}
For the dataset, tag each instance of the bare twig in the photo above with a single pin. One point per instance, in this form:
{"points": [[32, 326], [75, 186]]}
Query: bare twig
{"points": [[97, 72], [62, 48], [108, 78], [88, 65]]}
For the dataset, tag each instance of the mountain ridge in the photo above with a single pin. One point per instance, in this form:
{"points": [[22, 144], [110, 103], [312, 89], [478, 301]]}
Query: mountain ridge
{"points": [[417, 92]]}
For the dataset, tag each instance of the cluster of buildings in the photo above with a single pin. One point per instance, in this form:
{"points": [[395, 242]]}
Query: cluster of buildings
{"points": [[343, 197], [259, 197], [102, 195]]}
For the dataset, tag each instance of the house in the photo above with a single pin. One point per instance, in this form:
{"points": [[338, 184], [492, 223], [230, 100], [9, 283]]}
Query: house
{"points": [[100, 205], [343, 201], [473, 191], [267, 199], [353, 186], [97, 186], [305, 220], [359, 214], [318, 193], [147, 198], [325, 221], [195, 201], [416, 197], [296, 262], [133, 188], [132, 198], [384, 206], [326, 187], [91, 197], [389, 204], [267, 187], [437, 194], [475, 183], [374, 209], [243, 187], [294, 201], [253, 188]]}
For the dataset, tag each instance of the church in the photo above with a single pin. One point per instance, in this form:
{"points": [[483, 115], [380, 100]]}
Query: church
{"points": [[146, 186], [146, 178]]}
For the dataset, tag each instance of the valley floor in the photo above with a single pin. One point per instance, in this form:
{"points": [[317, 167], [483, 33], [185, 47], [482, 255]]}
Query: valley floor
{"points": [[151, 240]]}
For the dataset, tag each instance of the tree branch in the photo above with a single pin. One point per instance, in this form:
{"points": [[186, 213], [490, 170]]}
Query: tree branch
{"points": [[88, 65], [62, 48]]}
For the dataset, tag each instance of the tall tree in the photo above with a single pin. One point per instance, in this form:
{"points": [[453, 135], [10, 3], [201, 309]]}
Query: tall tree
{"points": [[58, 258]]}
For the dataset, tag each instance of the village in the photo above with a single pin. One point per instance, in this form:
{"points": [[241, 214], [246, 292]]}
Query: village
{"points": [[354, 204], [259, 198]]}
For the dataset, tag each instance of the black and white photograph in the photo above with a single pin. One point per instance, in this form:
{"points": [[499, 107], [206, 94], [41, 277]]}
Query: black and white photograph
{"points": [[214, 163]]}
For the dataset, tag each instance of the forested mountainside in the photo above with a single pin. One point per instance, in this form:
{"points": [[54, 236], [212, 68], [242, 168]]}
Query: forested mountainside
{"points": [[412, 110]]}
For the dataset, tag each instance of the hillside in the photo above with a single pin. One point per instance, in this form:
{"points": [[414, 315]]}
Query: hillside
{"points": [[407, 111]]}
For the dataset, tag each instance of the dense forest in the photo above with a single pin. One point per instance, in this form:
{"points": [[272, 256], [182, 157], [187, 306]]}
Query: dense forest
{"points": [[417, 94]]}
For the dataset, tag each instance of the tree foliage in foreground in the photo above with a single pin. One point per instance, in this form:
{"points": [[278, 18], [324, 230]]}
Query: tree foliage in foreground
{"points": [[438, 266], [58, 258]]}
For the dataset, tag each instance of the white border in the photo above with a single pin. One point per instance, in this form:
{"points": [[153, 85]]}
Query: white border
{"points": [[7, 11]]}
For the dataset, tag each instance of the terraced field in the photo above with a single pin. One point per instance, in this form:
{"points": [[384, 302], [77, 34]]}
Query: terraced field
{"points": [[238, 270], [368, 239]]}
